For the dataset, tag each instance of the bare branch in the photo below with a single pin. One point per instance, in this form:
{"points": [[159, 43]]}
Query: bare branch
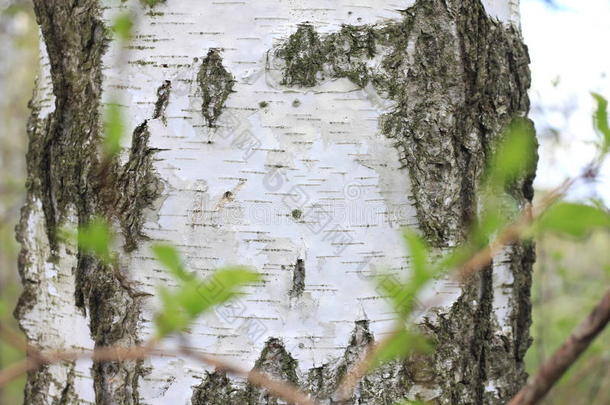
{"points": [[566, 355], [15, 371]]}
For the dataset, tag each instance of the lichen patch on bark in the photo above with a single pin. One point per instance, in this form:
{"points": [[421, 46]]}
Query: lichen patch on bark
{"points": [[215, 84], [456, 77]]}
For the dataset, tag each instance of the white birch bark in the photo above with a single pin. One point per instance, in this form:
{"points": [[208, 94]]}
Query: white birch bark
{"points": [[298, 182]]}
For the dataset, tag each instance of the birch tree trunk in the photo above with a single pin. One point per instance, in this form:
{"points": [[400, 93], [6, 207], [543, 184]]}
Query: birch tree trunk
{"points": [[293, 137]]}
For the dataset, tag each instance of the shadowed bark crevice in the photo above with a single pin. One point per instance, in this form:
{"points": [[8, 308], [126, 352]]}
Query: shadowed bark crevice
{"points": [[73, 183]]}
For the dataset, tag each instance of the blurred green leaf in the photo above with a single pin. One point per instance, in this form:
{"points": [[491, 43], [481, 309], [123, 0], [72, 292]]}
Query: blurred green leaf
{"points": [[490, 222], [514, 155], [418, 252], [572, 219], [96, 238], [169, 257], [401, 344], [407, 402], [123, 26], [400, 295], [172, 318], [224, 285], [192, 297], [403, 294], [480, 235], [152, 3], [601, 120], [114, 129]]}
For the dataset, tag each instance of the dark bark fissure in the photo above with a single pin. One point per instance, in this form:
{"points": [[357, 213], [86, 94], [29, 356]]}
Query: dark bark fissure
{"points": [[163, 93], [66, 174]]}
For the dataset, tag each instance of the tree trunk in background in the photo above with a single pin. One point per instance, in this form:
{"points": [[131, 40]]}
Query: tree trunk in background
{"points": [[293, 137]]}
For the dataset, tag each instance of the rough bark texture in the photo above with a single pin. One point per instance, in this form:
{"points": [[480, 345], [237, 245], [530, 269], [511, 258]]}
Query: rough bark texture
{"points": [[72, 185], [450, 77]]}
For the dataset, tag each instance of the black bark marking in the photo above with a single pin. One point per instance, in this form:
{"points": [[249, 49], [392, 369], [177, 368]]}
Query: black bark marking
{"points": [[217, 389], [304, 57], [216, 84], [298, 279], [163, 93], [138, 186], [386, 385]]}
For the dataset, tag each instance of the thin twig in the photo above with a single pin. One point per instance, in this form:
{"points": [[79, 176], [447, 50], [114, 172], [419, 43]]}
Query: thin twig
{"points": [[566, 355], [37, 358], [15, 371]]}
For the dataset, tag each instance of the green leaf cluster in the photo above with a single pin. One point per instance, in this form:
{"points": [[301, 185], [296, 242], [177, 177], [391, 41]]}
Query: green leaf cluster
{"points": [[573, 219], [193, 296]]}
